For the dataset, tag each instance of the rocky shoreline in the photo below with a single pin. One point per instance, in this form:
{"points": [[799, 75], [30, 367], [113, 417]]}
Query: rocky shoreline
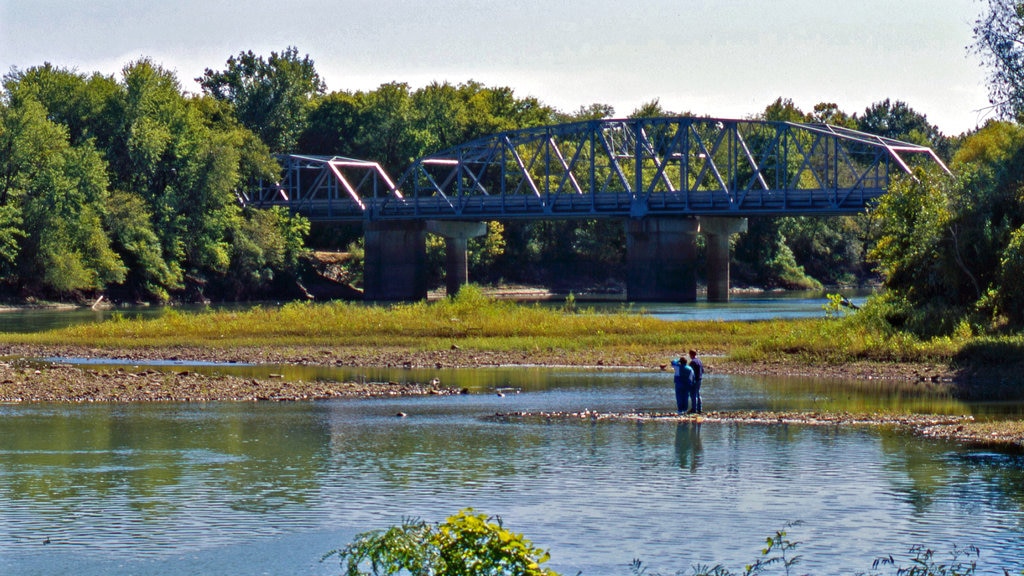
{"points": [[963, 429], [23, 379], [29, 381]]}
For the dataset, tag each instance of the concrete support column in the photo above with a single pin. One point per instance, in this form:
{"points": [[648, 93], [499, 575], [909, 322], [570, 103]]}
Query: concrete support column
{"points": [[456, 236], [395, 265], [718, 231], [661, 260]]}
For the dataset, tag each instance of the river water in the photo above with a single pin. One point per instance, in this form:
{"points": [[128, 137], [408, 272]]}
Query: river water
{"points": [[260, 488]]}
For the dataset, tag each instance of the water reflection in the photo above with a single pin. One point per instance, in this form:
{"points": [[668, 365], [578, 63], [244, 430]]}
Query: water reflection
{"points": [[165, 466], [24, 320], [688, 445]]}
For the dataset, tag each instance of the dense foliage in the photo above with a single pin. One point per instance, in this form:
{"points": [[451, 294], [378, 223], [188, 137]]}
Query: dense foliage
{"points": [[129, 187]]}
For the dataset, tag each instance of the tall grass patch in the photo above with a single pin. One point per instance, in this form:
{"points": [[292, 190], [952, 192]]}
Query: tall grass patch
{"points": [[473, 321]]}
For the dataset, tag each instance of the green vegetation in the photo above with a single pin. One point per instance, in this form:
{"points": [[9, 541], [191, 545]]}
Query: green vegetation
{"points": [[127, 188], [471, 321], [469, 544], [465, 544], [779, 551]]}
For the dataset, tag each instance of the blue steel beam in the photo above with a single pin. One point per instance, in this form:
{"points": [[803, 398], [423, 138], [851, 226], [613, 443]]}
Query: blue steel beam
{"points": [[325, 188], [683, 166]]}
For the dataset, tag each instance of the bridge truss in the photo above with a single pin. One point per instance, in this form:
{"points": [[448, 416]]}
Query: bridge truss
{"points": [[684, 166]]}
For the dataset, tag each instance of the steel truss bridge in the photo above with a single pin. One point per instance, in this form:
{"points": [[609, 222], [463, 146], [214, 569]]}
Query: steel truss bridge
{"points": [[627, 168]]}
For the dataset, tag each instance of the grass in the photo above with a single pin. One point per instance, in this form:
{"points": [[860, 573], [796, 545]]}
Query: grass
{"points": [[474, 322]]}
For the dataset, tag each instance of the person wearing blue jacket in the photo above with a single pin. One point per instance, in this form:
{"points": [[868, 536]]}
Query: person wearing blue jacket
{"points": [[698, 373], [683, 381]]}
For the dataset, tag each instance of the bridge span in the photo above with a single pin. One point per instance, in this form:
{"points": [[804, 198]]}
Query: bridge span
{"points": [[668, 179]]}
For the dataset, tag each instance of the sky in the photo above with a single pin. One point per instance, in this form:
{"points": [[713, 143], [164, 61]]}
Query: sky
{"points": [[723, 58]]}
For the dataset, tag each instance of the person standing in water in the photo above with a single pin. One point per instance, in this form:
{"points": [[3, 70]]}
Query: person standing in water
{"points": [[698, 373], [683, 381]]}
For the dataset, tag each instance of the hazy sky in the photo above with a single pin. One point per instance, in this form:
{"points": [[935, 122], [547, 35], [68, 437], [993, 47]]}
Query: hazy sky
{"points": [[726, 58]]}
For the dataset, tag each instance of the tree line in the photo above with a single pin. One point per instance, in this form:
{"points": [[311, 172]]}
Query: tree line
{"points": [[128, 186]]}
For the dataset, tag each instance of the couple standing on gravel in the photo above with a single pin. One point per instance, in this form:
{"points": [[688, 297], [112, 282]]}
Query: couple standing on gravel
{"points": [[687, 380]]}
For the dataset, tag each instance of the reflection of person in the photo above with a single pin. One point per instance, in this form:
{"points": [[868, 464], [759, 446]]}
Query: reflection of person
{"points": [[683, 380], [688, 444], [698, 372]]}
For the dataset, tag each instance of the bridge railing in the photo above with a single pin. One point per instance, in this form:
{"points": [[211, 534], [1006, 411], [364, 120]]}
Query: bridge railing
{"points": [[326, 187], [614, 168]]}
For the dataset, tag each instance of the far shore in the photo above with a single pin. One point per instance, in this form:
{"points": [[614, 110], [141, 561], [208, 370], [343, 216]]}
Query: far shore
{"points": [[23, 380]]}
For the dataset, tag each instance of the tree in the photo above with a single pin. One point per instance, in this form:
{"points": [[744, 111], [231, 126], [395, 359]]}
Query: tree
{"points": [[783, 110], [596, 111], [264, 252], [385, 131], [1011, 291], [53, 198], [272, 97], [914, 255], [901, 122], [149, 273], [762, 254], [440, 117], [651, 109], [333, 125], [79, 102], [949, 247], [999, 41], [129, 185], [829, 113], [827, 248]]}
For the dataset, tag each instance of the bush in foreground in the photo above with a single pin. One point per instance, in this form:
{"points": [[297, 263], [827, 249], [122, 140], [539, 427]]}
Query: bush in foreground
{"points": [[465, 544]]}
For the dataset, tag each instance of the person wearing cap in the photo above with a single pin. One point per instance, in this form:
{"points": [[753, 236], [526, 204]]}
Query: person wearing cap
{"points": [[683, 381]]}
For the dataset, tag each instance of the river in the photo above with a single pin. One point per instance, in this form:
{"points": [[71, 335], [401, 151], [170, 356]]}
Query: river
{"points": [[261, 488], [232, 488]]}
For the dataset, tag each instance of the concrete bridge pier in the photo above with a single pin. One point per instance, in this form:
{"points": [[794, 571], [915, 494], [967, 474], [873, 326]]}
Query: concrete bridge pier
{"points": [[395, 264], [661, 256], [456, 235], [717, 232]]}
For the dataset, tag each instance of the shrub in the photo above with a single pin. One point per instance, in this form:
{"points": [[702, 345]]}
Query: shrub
{"points": [[465, 544]]}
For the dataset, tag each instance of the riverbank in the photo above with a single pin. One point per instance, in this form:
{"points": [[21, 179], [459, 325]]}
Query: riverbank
{"points": [[455, 356], [24, 381], [473, 330]]}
